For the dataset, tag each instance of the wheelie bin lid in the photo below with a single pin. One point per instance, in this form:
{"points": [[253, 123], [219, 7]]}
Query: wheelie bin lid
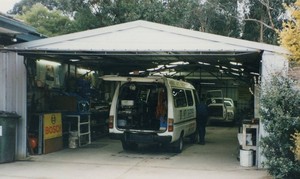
{"points": [[4, 114]]}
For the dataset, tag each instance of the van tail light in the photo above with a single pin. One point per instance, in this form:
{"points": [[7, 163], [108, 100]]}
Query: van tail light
{"points": [[111, 122], [170, 125]]}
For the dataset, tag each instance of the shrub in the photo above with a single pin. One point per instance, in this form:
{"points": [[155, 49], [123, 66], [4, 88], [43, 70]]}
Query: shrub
{"points": [[280, 113]]}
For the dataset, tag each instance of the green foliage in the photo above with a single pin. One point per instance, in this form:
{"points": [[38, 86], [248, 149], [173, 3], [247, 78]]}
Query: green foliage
{"points": [[214, 16], [271, 18], [280, 116], [49, 23], [220, 17], [84, 20], [24, 5]]}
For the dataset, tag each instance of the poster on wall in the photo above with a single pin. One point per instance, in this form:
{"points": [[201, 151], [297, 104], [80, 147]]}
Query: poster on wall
{"points": [[48, 73]]}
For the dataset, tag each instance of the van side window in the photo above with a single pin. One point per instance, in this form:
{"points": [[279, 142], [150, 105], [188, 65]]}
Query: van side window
{"points": [[189, 97], [179, 97]]}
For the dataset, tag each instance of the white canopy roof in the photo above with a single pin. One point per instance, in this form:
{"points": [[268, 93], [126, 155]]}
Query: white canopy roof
{"points": [[144, 46], [145, 36]]}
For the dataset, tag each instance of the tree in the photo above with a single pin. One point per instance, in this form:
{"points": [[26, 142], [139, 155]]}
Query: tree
{"points": [[49, 23], [220, 17], [263, 20], [289, 36], [24, 5], [215, 16]]}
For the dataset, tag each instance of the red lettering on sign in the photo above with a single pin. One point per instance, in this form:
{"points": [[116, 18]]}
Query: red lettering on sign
{"points": [[52, 129]]}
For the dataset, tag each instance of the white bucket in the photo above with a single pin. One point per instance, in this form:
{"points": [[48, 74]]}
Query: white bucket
{"points": [[73, 142], [73, 133], [246, 158], [73, 139]]}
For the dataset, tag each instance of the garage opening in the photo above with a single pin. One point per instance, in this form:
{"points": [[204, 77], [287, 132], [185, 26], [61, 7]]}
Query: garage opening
{"points": [[64, 75], [71, 84]]}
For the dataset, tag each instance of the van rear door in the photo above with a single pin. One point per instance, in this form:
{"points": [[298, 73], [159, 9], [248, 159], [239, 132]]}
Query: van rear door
{"points": [[140, 104]]}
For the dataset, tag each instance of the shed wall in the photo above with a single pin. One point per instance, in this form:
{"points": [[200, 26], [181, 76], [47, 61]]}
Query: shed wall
{"points": [[272, 64], [13, 95]]}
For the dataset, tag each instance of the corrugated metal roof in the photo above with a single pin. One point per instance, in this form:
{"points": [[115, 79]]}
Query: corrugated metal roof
{"points": [[145, 36], [11, 28], [8, 31], [142, 46]]}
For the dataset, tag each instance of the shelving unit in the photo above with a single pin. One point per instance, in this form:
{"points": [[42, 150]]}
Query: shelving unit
{"points": [[83, 127], [252, 129], [246, 128]]}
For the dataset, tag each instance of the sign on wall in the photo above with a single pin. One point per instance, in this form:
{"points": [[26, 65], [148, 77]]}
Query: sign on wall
{"points": [[52, 125]]}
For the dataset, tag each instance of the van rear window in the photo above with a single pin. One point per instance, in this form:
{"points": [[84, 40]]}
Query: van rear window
{"points": [[179, 97]]}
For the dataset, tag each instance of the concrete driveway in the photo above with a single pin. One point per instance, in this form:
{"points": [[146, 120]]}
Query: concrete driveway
{"points": [[105, 158]]}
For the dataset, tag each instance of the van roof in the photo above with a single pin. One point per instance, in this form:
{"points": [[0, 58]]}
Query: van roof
{"points": [[157, 79], [179, 83]]}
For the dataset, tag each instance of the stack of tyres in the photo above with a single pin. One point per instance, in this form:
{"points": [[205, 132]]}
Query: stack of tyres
{"points": [[8, 122]]}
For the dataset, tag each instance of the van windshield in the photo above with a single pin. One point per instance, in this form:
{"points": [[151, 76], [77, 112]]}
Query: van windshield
{"points": [[142, 105]]}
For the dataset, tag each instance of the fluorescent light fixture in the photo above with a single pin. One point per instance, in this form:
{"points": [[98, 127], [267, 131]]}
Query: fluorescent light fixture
{"points": [[14, 39], [224, 67], [136, 72], [159, 67], [203, 63], [83, 71], [254, 73], [236, 74], [236, 63], [179, 63], [74, 60], [151, 69], [46, 62], [165, 73], [235, 69], [171, 66], [207, 83]]}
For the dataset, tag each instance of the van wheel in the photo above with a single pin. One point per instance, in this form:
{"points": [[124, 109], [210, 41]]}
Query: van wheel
{"points": [[178, 147], [128, 145], [195, 137]]}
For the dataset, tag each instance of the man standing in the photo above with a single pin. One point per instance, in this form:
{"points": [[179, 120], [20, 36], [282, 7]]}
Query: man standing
{"points": [[202, 116]]}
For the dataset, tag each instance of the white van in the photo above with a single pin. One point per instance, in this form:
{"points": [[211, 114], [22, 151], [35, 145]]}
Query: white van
{"points": [[152, 109]]}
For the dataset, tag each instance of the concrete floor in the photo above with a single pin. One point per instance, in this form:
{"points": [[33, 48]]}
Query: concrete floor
{"points": [[105, 158]]}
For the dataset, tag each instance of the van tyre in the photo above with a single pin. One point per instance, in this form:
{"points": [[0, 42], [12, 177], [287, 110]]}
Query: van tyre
{"points": [[195, 137], [178, 147], [129, 145]]}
